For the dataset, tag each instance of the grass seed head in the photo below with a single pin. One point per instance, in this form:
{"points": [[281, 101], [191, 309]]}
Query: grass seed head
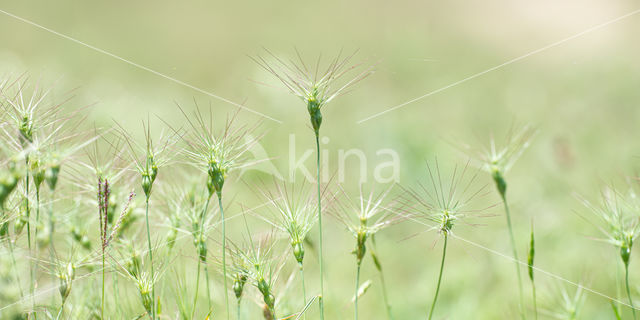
{"points": [[498, 160], [239, 281], [320, 84], [189, 205], [37, 169], [218, 152], [618, 211], [445, 202], [365, 216], [262, 267], [295, 211], [28, 105], [148, 157], [66, 277], [144, 282], [145, 285], [240, 269]]}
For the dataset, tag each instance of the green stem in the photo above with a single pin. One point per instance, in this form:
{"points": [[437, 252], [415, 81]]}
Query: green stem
{"points": [[102, 305], [206, 275], [535, 303], [27, 211], [321, 298], [304, 290], [238, 316], [626, 280], [61, 308], [357, 287], [153, 289], [51, 224], [52, 253], [224, 254], [615, 311], [435, 298], [35, 242], [195, 296], [515, 254]]}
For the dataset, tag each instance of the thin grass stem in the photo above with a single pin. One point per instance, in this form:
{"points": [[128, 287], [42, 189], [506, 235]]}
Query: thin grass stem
{"points": [[515, 254], [626, 280], [102, 304], [444, 253], [304, 290], [238, 311], [321, 298], [52, 254], [35, 242], [61, 309], [535, 303], [153, 290], [224, 255], [27, 211], [195, 296], [206, 276], [356, 292]]}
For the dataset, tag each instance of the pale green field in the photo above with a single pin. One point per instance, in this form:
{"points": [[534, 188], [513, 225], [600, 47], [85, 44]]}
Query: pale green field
{"points": [[569, 69]]}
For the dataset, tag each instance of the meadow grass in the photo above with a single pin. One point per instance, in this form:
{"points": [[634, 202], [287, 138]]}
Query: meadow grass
{"points": [[97, 275]]}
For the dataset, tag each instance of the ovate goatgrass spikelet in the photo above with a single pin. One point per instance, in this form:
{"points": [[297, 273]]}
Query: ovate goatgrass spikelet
{"points": [[444, 203], [30, 113], [364, 217], [316, 86], [133, 269], [620, 224], [147, 164], [219, 154], [192, 206], [264, 269], [295, 213], [65, 272], [240, 272], [497, 161]]}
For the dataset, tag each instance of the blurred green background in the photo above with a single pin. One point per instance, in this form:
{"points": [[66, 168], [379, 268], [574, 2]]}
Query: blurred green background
{"points": [[583, 95]]}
